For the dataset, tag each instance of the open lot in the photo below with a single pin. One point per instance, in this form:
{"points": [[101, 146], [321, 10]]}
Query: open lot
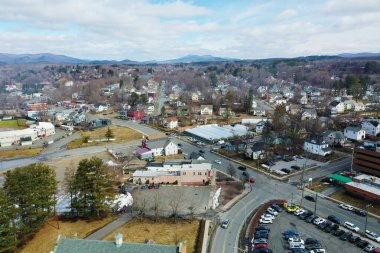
{"points": [[163, 231], [185, 198], [163, 158], [306, 230], [297, 162], [12, 124], [19, 153], [46, 238], [121, 134]]}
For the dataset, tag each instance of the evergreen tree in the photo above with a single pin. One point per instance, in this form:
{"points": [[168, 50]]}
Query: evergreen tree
{"points": [[92, 189], [7, 228], [109, 134], [32, 189], [248, 101]]}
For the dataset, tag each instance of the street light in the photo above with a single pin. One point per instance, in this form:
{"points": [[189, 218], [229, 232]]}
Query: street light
{"points": [[366, 216]]}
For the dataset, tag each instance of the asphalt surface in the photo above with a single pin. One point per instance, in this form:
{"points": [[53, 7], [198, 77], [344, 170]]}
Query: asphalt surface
{"points": [[286, 221]]}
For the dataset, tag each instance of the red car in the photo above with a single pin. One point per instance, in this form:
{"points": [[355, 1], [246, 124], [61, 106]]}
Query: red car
{"points": [[260, 246], [251, 180]]}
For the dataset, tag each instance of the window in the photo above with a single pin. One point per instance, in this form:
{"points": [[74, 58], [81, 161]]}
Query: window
{"points": [[194, 173], [199, 173], [184, 173]]}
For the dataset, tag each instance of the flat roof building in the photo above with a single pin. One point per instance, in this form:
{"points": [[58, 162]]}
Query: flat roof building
{"points": [[213, 132]]}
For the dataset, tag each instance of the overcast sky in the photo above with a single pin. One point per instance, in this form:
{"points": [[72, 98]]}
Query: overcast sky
{"points": [[160, 29]]}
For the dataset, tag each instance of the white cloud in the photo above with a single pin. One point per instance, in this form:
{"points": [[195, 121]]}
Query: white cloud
{"points": [[286, 14]]}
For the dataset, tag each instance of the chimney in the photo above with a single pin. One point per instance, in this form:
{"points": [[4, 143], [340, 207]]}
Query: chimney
{"points": [[118, 240]]}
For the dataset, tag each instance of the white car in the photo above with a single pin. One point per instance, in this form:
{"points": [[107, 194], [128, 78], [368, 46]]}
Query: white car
{"points": [[346, 207], [317, 251], [299, 211], [266, 221], [272, 211], [296, 245], [296, 240], [351, 226], [268, 216], [225, 223], [373, 236], [218, 161], [319, 221]]}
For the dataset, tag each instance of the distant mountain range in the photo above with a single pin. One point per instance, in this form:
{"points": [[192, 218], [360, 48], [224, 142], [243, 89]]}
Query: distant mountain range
{"points": [[47, 58]]}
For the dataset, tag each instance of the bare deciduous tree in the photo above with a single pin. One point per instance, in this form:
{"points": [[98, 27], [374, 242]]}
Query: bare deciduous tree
{"points": [[231, 170], [176, 203]]}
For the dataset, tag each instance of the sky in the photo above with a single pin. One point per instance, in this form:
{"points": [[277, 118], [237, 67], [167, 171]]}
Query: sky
{"points": [[161, 29]]}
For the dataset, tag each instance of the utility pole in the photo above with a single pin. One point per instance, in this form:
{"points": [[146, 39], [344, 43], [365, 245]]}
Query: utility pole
{"points": [[366, 216], [352, 157], [316, 200], [302, 182]]}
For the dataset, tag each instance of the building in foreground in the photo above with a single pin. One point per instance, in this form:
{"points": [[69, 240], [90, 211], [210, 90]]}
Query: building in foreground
{"points": [[365, 187], [214, 133], [182, 172], [73, 245], [367, 159]]}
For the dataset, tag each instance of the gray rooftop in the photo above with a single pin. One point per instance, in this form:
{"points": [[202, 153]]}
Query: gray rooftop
{"points": [[69, 245], [158, 143]]}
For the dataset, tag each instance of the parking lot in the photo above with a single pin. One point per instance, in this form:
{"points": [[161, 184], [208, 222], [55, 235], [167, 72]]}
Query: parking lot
{"points": [[286, 221], [280, 164]]}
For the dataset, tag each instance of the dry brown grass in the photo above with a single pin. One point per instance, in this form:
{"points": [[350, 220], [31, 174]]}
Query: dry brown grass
{"points": [[355, 201], [10, 154], [161, 232], [45, 239], [13, 124], [318, 187], [122, 134], [162, 158]]}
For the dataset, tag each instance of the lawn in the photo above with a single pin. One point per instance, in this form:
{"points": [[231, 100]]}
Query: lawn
{"points": [[10, 154], [45, 239], [14, 124], [355, 201], [122, 134], [160, 159], [161, 232], [318, 187]]}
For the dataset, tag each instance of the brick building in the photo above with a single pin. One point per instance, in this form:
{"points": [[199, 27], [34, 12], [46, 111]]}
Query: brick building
{"points": [[367, 160]]}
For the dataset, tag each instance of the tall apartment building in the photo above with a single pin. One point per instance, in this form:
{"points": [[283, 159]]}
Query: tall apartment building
{"points": [[367, 159]]}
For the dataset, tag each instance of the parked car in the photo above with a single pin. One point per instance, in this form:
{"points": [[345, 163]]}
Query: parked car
{"points": [[362, 244], [318, 221], [317, 251], [299, 211], [285, 170], [261, 234], [359, 212], [311, 241], [338, 232], [354, 239], [305, 215], [218, 161], [260, 246], [267, 215], [317, 245], [262, 227], [346, 207], [373, 236], [262, 250], [351, 226], [310, 218], [266, 221], [345, 236], [310, 198], [296, 239], [251, 180], [243, 168], [292, 208], [201, 151], [369, 248], [272, 211], [289, 233], [225, 223], [330, 228], [334, 219], [277, 208], [245, 174], [295, 167], [259, 241]]}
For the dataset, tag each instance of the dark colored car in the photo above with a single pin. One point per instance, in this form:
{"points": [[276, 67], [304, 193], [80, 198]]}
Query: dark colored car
{"points": [[201, 151], [245, 174], [260, 241], [261, 234], [299, 251], [334, 219], [305, 215], [179, 145], [362, 243], [277, 207], [313, 246], [242, 168], [310, 218], [346, 236], [262, 227], [290, 233], [311, 241], [322, 225], [329, 228], [339, 232], [285, 170], [295, 167], [354, 239], [359, 212], [310, 198]]}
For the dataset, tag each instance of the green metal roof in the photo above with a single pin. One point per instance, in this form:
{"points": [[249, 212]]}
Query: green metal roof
{"points": [[341, 178], [71, 245]]}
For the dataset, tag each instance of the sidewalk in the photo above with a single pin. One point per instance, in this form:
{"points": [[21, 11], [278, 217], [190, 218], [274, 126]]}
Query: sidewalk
{"points": [[107, 229]]}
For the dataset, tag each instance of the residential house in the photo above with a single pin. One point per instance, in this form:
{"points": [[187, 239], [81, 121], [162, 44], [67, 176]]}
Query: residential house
{"points": [[254, 104], [161, 147], [225, 111], [71, 245], [170, 122], [259, 112], [334, 137], [144, 153], [359, 107], [206, 109], [309, 114], [194, 97], [303, 100], [182, 172], [256, 151], [132, 114], [294, 109], [259, 128], [196, 156], [354, 133], [279, 101], [371, 126], [99, 107], [317, 146], [338, 106]]}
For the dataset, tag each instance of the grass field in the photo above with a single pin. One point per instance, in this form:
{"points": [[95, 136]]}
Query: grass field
{"points": [[318, 187], [45, 239], [161, 232], [10, 154], [356, 202], [122, 134], [163, 158], [14, 124]]}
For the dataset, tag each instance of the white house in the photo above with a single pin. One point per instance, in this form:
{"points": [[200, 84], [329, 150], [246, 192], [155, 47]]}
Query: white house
{"points": [[256, 151], [309, 114], [254, 104], [162, 147], [354, 133], [194, 96], [334, 137], [260, 126], [303, 100], [371, 127], [171, 122], [317, 146], [359, 106], [259, 112], [206, 109], [338, 106]]}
